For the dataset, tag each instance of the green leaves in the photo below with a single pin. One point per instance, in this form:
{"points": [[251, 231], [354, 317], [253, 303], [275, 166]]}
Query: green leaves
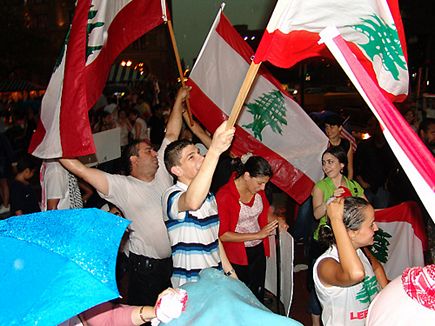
{"points": [[267, 110], [89, 48], [380, 245], [91, 26], [383, 42], [369, 288]]}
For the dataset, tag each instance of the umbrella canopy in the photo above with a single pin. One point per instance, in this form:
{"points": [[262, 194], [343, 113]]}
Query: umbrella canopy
{"points": [[57, 264]]}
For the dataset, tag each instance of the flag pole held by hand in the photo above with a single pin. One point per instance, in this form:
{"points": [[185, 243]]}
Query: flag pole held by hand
{"points": [[243, 92], [180, 70]]}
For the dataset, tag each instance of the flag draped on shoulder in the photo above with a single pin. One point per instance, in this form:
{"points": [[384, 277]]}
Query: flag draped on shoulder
{"points": [[272, 125], [372, 28], [100, 30]]}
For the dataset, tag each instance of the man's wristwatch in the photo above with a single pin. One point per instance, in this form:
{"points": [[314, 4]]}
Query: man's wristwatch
{"points": [[230, 272]]}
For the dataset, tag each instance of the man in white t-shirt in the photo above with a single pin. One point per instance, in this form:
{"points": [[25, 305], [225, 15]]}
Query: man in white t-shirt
{"points": [[190, 211], [138, 196]]}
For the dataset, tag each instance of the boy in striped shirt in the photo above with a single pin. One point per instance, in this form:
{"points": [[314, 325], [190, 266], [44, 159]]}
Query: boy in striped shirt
{"points": [[190, 211]]}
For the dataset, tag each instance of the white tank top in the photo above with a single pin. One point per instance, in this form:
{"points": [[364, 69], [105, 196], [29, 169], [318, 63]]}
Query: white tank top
{"points": [[346, 305]]}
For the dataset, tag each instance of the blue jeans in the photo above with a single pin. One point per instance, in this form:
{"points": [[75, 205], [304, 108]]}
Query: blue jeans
{"points": [[304, 224]]}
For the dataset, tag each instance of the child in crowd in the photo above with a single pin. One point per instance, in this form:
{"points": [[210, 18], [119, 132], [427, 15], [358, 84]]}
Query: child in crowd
{"points": [[23, 197]]}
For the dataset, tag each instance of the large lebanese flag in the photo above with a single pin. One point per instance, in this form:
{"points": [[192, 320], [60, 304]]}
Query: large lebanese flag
{"points": [[271, 125], [372, 28], [403, 238], [99, 32], [415, 158]]}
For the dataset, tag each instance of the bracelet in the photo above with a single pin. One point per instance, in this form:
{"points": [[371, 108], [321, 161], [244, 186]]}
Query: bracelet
{"points": [[145, 320], [230, 272]]}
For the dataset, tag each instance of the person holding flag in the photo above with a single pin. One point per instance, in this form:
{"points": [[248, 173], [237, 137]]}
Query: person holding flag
{"points": [[138, 196]]}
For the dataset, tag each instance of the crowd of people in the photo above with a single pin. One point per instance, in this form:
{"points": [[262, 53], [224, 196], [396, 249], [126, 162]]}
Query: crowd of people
{"points": [[217, 213]]}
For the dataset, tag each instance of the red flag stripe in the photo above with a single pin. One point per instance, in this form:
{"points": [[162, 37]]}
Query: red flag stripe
{"points": [[134, 20], [408, 212], [75, 130]]}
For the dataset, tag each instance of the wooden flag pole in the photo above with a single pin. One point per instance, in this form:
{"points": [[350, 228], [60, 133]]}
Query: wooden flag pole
{"points": [[180, 70], [243, 92]]}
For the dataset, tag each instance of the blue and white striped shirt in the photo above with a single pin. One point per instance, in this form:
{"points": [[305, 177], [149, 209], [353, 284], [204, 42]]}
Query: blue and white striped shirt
{"points": [[193, 236]]}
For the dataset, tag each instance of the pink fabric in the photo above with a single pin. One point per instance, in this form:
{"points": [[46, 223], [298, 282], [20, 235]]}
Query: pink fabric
{"points": [[109, 314], [248, 218], [170, 306], [419, 285]]}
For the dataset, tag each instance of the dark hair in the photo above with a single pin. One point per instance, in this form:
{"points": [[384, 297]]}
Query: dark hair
{"points": [[256, 166], [134, 112], [132, 150], [25, 163], [173, 153], [424, 125], [338, 153], [353, 217], [334, 120]]}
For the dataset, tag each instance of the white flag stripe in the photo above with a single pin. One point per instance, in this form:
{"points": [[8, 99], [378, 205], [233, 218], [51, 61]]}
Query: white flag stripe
{"points": [[50, 118], [221, 84], [405, 248]]}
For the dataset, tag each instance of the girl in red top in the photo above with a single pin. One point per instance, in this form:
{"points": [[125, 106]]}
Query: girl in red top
{"points": [[244, 226]]}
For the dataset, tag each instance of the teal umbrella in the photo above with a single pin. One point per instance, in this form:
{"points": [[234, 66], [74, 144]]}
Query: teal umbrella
{"points": [[56, 264]]}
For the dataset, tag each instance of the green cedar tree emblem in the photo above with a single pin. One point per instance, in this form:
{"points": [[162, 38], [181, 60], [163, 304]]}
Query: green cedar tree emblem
{"points": [[379, 249], [267, 110], [383, 42], [369, 288], [89, 48], [91, 26]]}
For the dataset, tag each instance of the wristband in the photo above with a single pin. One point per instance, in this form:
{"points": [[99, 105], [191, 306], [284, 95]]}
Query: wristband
{"points": [[141, 315], [230, 272]]}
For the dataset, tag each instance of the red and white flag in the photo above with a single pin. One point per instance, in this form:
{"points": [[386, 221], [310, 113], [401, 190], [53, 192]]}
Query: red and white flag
{"points": [[346, 134], [100, 30], [372, 28], [401, 238], [417, 161], [271, 125]]}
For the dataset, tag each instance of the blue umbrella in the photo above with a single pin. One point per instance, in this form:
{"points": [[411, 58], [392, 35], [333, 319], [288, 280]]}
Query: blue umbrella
{"points": [[56, 264]]}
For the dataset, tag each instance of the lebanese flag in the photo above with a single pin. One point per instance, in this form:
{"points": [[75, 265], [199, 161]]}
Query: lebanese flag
{"points": [[271, 125], [372, 28], [401, 238], [100, 31], [417, 161]]}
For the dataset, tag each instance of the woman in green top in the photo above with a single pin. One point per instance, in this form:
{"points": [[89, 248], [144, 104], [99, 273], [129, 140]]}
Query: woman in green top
{"points": [[334, 185]]}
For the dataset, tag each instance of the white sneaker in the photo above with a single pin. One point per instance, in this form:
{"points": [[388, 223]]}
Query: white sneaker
{"points": [[4, 209]]}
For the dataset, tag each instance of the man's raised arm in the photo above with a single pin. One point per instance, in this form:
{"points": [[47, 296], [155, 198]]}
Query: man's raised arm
{"points": [[175, 121], [94, 177]]}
